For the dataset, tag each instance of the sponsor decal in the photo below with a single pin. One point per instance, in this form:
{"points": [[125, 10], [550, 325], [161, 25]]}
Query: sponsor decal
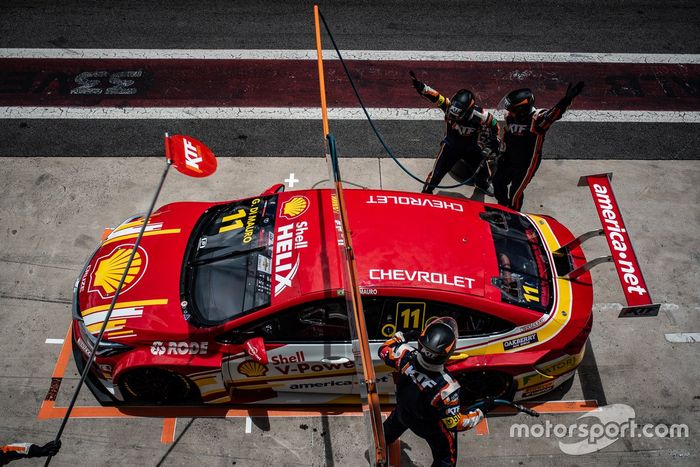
{"points": [[539, 389], [415, 201], [83, 280], [83, 346], [451, 422], [250, 222], [334, 203], [264, 264], [320, 384], [290, 239], [625, 260], [294, 207], [520, 342], [296, 358], [421, 379], [436, 278], [302, 368], [518, 129], [179, 348], [363, 291], [192, 157], [110, 268], [251, 368]]}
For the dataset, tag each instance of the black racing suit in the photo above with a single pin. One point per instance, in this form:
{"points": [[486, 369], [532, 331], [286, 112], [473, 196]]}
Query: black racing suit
{"points": [[463, 140], [523, 154], [427, 403]]}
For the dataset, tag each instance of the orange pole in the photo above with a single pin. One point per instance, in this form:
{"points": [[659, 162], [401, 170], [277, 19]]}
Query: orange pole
{"points": [[321, 78], [356, 301]]}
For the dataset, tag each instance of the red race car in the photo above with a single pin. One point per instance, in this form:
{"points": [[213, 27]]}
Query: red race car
{"points": [[243, 301]]}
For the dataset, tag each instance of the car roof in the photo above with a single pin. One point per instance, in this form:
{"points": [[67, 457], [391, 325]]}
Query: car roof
{"points": [[400, 240]]}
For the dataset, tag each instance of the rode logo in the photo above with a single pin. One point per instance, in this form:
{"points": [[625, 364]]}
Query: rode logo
{"points": [[179, 348], [192, 157]]}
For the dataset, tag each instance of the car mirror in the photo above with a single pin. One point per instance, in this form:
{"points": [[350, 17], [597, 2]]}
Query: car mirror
{"points": [[255, 348], [273, 189]]}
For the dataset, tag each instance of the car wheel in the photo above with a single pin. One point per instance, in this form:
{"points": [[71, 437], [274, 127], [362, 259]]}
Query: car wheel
{"points": [[157, 386], [476, 385]]}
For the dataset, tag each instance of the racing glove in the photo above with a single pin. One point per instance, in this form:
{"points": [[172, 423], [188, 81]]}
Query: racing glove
{"points": [[418, 84], [571, 92], [397, 338], [49, 449]]}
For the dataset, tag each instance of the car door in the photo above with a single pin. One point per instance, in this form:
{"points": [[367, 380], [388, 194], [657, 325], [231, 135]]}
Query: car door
{"points": [[387, 315], [308, 353]]}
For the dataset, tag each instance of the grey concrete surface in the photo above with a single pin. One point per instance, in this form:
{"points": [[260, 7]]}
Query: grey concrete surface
{"points": [[53, 210]]}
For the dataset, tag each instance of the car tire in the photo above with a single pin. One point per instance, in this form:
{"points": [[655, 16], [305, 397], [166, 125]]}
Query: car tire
{"points": [[476, 385], [157, 386]]}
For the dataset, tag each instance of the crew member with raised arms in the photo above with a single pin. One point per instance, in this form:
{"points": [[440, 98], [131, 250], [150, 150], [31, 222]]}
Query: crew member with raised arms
{"points": [[525, 127], [471, 134]]}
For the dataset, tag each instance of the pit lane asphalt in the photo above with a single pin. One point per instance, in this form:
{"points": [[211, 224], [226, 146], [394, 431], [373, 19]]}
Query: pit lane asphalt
{"points": [[638, 27], [53, 211]]}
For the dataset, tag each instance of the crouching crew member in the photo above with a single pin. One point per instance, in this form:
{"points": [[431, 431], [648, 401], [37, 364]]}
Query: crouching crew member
{"points": [[427, 398], [525, 128], [466, 125]]}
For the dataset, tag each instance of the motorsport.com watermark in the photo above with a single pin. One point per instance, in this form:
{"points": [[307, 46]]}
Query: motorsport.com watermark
{"points": [[584, 437]]}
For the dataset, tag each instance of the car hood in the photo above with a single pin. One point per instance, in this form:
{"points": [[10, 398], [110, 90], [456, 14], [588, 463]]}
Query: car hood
{"points": [[149, 300]]}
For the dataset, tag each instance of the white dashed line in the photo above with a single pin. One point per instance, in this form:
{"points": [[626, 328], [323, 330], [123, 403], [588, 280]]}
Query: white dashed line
{"points": [[54, 341], [248, 425], [684, 337], [314, 113]]}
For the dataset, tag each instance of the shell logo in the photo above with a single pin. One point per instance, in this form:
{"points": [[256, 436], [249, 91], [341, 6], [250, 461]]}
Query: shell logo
{"points": [[252, 368], [109, 270], [294, 207]]}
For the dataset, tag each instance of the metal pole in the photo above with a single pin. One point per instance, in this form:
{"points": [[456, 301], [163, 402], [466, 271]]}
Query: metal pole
{"points": [[91, 359]]}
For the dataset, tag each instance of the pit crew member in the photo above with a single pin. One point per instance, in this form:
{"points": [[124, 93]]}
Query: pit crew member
{"points": [[471, 134], [427, 398], [525, 128], [16, 451]]}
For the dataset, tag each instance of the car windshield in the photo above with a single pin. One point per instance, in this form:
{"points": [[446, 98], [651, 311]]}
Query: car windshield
{"points": [[228, 266], [524, 273]]}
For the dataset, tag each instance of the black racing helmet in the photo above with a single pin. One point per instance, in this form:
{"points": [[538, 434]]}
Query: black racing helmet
{"points": [[438, 340], [461, 105], [520, 103]]}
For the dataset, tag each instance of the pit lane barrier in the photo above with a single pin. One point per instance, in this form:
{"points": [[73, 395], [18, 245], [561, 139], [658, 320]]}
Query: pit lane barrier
{"points": [[639, 303]]}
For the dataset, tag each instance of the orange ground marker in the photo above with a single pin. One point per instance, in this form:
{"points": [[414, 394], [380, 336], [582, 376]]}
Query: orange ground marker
{"points": [[168, 434]]}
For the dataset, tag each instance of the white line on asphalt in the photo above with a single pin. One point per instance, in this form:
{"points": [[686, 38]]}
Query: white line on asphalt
{"points": [[314, 113], [54, 341], [248, 425], [686, 337], [376, 55]]}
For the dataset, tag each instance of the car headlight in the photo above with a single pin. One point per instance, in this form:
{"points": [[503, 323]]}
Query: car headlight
{"points": [[106, 348]]}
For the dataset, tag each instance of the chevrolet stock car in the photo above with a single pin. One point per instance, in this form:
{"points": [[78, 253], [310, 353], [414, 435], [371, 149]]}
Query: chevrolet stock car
{"points": [[243, 302]]}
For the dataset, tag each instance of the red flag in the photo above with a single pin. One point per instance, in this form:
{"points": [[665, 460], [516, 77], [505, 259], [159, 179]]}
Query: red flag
{"points": [[190, 156]]}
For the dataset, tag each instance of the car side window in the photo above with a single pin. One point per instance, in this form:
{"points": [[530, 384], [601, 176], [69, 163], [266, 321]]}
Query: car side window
{"points": [[320, 321], [386, 315]]}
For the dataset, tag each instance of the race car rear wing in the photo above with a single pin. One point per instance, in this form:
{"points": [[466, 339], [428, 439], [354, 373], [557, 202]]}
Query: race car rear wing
{"points": [[639, 301]]}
